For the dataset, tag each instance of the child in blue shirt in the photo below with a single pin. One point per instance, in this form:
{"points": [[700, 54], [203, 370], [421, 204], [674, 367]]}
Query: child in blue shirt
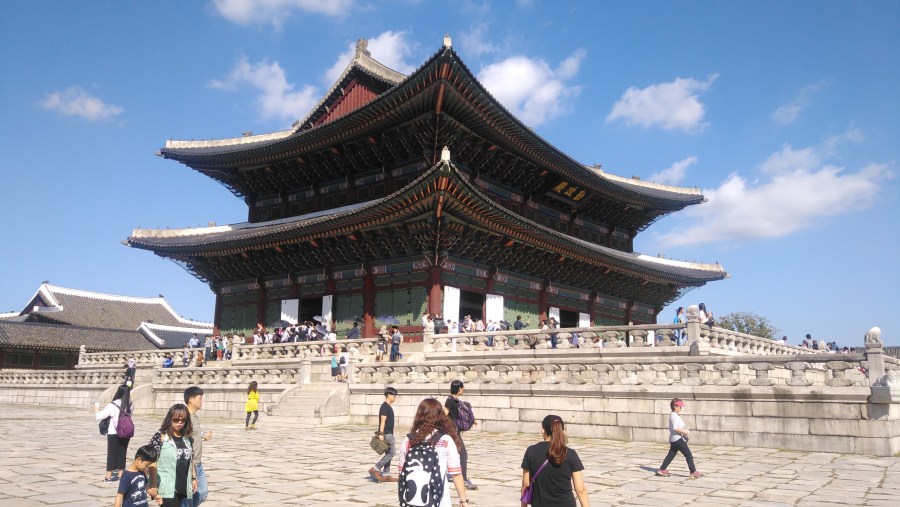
{"points": [[132, 483]]}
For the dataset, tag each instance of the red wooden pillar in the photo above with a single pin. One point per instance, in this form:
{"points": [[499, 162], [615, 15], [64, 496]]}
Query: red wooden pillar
{"points": [[590, 308], [261, 304], [368, 305], [434, 290]]}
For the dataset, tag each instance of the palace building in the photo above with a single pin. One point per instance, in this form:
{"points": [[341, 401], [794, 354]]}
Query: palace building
{"points": [[57, 322], [398, 195]]}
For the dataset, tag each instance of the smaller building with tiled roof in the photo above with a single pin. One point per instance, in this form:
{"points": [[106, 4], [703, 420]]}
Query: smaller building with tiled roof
{"points": [[57, 321]]}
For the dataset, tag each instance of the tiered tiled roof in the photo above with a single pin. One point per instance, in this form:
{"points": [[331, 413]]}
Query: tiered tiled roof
{"points": [[64, 337], [61, 318], [442, 186], [443, 86], [61, 305]]}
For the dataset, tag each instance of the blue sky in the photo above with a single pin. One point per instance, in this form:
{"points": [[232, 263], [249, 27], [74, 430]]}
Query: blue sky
{"points": [[787, 114]]}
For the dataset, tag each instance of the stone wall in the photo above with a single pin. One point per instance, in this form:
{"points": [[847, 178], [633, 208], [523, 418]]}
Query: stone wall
{"points": [[823, 419], [818, 402]]}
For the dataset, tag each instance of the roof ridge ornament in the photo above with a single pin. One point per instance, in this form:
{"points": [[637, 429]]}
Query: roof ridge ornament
{"points": [[447, 41], [362, 48], [445, 155]]}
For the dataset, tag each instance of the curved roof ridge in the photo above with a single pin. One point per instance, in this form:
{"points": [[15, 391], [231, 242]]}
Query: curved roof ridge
{"points": [[200, 231], [707, 266], [158, 300], [164, 327], [643, 183], [229, 141]]}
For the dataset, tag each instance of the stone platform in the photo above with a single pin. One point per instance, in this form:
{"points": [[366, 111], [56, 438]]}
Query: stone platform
{"points": [[55, 456]]}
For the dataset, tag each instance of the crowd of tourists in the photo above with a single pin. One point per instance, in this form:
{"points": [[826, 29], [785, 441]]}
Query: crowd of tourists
{"points": [[168, 469]]}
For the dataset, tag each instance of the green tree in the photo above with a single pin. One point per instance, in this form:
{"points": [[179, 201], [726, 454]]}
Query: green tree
{"points": [[748, 323]]}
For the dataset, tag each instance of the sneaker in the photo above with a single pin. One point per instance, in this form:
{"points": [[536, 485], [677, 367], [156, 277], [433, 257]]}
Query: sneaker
{"points": [[470, 485], [246, 428], [252, 426], [108, 480], [662, 472], [696, 475], [376, 475]]}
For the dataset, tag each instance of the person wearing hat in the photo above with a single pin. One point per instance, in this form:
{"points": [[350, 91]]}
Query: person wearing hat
{"points": [[380, 472], [678, 439]]}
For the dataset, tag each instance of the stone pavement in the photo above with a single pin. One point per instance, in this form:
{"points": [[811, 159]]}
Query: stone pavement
{"points": [[55, 456]]}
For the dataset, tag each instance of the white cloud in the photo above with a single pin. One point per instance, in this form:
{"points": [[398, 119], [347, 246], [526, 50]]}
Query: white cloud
{"points": [[671, 106], [473, 42], [76, 101], [673, 174], [274, 12], [390, 48], [530, 88], [798, 192], [277, 97], [789, 112]]}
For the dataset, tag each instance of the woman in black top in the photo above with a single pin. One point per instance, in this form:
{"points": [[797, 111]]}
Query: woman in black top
{"points": [[552, 487]]}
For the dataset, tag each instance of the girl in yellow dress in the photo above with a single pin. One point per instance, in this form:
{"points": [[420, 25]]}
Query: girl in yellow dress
{"points": [[252, 406]]}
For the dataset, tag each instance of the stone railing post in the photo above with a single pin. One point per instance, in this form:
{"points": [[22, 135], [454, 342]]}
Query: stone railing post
{"points": [[762, 374], [82, 350], [838, 374], [305, 371], [695, 342], [691, 374], [726, 374], [798, 373], [874, 355]]}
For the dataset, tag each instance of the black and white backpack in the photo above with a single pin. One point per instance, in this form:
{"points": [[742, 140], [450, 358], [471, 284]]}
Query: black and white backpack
{"points": [[421, 482]]}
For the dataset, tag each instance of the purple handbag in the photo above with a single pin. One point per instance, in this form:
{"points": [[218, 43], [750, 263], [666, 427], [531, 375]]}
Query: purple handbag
{"points": [[526, 493]]}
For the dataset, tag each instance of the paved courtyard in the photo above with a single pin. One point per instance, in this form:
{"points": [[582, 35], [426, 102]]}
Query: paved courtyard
{"points": [[54, 456]]}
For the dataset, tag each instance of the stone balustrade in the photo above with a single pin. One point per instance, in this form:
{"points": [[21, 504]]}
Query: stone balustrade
{"points": [[717, 340], [587, 337], [721, 339], [226, 375], [45, 377], [143, 358], [361, 348], [797, 371]]}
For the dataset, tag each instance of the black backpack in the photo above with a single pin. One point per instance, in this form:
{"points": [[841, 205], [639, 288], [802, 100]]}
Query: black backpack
{"points": [[421, 482]]}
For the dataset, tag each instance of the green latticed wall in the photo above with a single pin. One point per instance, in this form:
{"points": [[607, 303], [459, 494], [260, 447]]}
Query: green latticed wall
{"points": [[528, 311], [406, 305], [238, 317], [346, 308]]}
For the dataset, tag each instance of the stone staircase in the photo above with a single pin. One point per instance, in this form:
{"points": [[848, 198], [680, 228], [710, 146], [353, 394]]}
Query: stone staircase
{"points": [[310, 405]]}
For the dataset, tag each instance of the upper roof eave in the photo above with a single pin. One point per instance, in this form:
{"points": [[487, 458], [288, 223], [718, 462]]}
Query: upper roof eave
{"points": [[665, 197]]}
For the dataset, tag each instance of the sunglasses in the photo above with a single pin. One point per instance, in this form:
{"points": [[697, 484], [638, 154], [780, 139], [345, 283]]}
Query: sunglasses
{"points": [[178, 419]]}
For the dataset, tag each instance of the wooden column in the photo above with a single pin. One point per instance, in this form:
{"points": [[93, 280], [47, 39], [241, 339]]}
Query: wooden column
{"points": [[368, 304], [434, 290], [217, 316], [261, 304], [590, 308], [542, 304]]}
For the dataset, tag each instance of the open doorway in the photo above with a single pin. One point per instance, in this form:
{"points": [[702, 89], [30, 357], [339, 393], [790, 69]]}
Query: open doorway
{"points": [[470, 303], [309, 308], [568, 318]]}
